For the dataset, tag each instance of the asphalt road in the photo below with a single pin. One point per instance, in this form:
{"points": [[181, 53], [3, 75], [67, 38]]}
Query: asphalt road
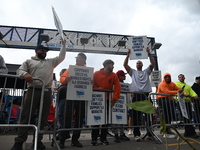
{"points": [[7, 141]]}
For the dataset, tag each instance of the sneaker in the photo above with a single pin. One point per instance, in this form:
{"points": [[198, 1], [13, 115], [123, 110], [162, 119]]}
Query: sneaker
{"points": [[40, 145], [124, 137], [137, 138], [130, 132], [105, 142], [169, 136], [94, 143], [62, 144], [109, 135], [76, 144], [17, 146], [117, 139]]}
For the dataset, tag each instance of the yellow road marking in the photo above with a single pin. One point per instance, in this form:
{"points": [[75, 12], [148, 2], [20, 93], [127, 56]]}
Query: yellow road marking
{"points": [[177, 144]]}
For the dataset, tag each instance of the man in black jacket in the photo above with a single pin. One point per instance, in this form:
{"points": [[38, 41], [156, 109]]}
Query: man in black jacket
{"points": [[196, 88]]}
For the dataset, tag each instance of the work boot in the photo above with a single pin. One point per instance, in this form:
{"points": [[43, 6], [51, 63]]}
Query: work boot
{"points": [[40, 145], [17, 146], [117, 139], [62, 144], [76, 144], [124, 137], [94, 143], [105, 142]]}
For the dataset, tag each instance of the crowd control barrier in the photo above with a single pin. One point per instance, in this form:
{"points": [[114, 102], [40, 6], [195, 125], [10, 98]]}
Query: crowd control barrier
{"points": [[177, 111], [12, 93], [77, 115]]}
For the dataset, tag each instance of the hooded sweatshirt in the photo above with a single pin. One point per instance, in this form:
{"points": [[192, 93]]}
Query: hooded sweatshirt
{"points": [[167, 88]]}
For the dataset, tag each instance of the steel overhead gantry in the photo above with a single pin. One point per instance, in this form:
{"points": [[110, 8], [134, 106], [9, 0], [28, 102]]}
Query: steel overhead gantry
{"points": [[77, 41]]}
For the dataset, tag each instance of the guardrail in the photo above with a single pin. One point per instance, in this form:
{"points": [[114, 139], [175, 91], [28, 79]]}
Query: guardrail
{"points": [[13, 90]]}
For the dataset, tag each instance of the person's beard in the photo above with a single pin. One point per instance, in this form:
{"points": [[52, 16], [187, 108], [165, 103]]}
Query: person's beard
{"points": [[41, 56], [168, 80], [110, 69], [139, 67]]}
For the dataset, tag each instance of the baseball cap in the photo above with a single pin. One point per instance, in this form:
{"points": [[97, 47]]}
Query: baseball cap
{"points": [[82, 55], [120, 73], [41, 47], [197, 78]]}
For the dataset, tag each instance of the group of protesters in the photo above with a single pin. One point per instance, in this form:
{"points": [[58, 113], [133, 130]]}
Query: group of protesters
{"points": [[40, 67], [168, 104]]}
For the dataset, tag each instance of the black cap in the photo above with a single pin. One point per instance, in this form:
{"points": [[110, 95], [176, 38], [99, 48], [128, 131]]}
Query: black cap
{"points": [[197, 78], [82, 55], [41, 47], [107, 62]]}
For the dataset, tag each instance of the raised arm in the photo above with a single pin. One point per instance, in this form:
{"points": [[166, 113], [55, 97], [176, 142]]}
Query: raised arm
{"points": [[57, 60], [126, 66], [152, 61], [62, 51], [3, 68]]}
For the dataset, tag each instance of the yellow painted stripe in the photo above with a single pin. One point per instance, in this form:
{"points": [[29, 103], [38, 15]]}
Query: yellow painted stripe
{"points": [[175, 144]]}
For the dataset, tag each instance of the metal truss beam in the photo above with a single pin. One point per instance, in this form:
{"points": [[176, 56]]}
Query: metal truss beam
{"points": [[77, 41]]}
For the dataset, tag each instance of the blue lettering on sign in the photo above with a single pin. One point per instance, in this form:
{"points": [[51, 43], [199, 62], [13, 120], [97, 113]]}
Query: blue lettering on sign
{"points": [[138, 54], [156, 83], [79, 93], [97, 118], [118, 117], [54, 45], [70, 46]]}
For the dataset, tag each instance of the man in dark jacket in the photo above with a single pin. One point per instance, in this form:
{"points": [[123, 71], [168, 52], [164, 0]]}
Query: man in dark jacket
{"points": [[196, 88]]}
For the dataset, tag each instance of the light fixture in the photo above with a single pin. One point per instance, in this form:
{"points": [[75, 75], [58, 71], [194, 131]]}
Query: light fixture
{"points": [[121, 43], [84, 41], [44, 38], [156, 45]]}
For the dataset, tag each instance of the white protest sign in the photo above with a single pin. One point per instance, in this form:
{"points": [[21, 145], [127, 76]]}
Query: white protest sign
{"points": [[125, 87], [58, 23], [138, 45], [96, 109], [80, 86], [155, 78], [182, 106], [119, 111]]}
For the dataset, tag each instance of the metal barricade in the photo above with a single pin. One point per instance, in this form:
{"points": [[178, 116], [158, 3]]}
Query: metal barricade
{"points": [[143, 120], [13, 90], [71, 110], [68, 111], [168, 107]]}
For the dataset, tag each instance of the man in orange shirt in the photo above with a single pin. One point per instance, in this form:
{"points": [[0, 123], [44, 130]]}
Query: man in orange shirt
{"points": [[66, 108], [106, 79]]}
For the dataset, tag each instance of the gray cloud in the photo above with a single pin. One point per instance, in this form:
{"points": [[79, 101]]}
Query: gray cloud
{"points": [[173, 23]]}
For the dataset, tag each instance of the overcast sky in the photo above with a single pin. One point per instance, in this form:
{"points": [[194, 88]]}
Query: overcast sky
{"points": [[174, 23]]}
